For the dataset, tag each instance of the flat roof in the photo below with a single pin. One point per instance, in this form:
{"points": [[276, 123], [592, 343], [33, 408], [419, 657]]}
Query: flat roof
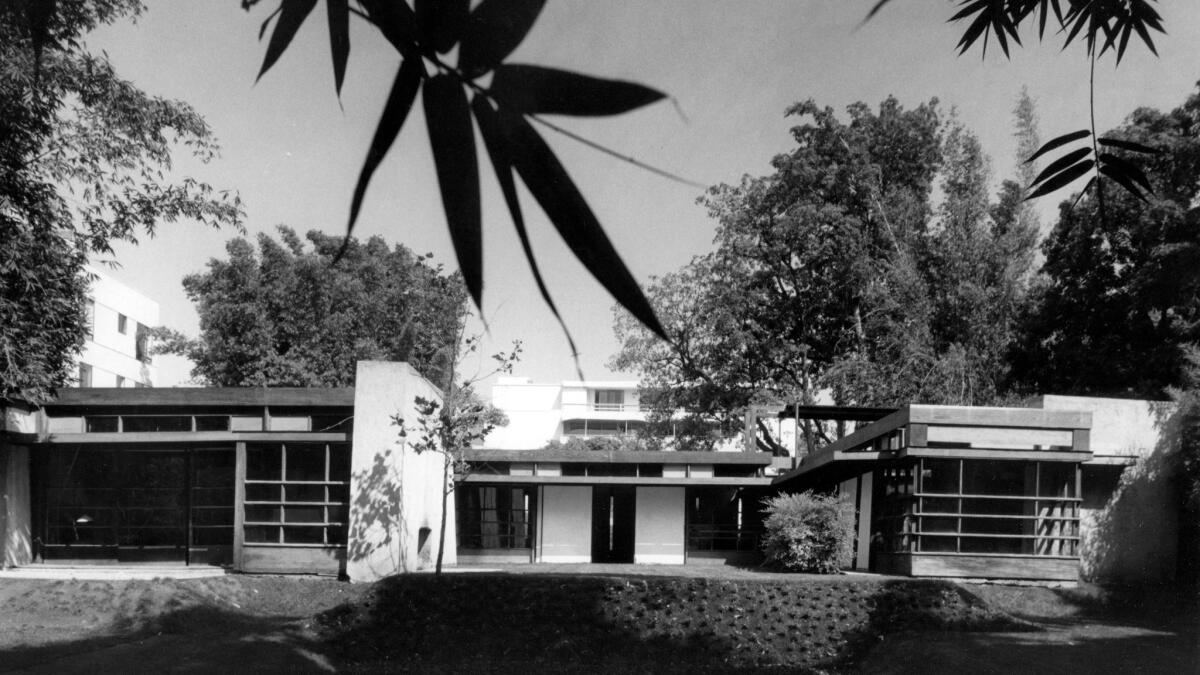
{"points": [[617, 457], [208, 397]]}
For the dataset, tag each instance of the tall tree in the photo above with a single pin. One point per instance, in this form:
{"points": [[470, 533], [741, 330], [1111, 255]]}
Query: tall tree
{"points": [[287, 316], [85, 160], [1120, 300], [782, 296], [839, 272]]}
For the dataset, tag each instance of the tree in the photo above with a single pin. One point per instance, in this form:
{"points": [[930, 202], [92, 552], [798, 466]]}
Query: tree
{"points": [[425, 33], [450, 426], [838, 272], [85, 159], [289, 317], [1120, 299]]}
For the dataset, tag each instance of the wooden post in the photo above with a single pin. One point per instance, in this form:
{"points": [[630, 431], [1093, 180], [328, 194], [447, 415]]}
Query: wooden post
{"points": [[239, 506]]}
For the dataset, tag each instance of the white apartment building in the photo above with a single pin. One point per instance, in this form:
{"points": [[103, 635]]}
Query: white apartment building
{"points": [[116, 352], [541, 412]]}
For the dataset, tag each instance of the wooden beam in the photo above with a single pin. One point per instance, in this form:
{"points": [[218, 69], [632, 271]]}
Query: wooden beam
{"points": [[189, 397], [138, 437], [616, 480], [999, 417], [618, 457], [992, 453]]}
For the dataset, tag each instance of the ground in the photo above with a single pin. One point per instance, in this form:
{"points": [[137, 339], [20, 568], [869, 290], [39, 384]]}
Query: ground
{"points": [[614, 618]]}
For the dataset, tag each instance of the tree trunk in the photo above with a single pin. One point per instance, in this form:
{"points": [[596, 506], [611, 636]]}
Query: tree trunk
{"points": [[446, 478]]}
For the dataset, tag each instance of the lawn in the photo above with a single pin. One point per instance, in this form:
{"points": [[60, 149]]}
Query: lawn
{"points": [[540, 622]]}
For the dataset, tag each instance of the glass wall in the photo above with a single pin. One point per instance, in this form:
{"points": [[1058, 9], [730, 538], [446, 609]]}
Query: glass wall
{"points": [[297, 493], [723, 519], [978, 507], [495, 517]]}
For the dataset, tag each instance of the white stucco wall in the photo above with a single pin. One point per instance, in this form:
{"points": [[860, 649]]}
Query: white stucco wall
{"points": [[659, 536], [395, 491], [565, 524], [1131, 534], [111, 352]]}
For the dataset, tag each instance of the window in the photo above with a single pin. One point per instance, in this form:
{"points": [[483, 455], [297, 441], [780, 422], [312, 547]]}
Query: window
{"points": [[608, 399], [491, 517], [90, 318], [297, 493], [980, 507], [141, 343], [122, 324], [85, 375], [722, 519]]}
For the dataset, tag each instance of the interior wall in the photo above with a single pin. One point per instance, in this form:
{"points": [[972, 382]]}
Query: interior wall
{"points": [[565, 530], [659, 526]]}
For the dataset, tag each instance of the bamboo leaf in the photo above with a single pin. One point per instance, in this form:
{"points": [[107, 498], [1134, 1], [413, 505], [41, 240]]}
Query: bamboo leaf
{"points": [[396, 21], [493, 31], [1059, 142], [501, 158], [538, 90], [1062, 179], [1112, 172], [1140, 27], [339, 40], [1128, 145], [291, 16], [1127, 168], [1060, 164], [448, 118], [262, 30], [441, 22], [554, 190], [875, 10], [395, 111]]}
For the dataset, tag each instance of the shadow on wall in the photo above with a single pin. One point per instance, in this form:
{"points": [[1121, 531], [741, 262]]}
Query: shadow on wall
{"points": [[1131, 516], [377, 526]]}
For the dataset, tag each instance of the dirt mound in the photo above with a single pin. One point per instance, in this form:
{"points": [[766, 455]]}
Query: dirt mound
{"points": [[590, 623]]}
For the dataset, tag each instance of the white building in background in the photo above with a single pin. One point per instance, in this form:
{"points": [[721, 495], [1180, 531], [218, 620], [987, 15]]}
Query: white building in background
{"points": [[539, 413], [116, 352]]}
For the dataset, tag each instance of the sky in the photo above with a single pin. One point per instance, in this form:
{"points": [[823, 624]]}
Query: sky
{"points": [[293, 151]]}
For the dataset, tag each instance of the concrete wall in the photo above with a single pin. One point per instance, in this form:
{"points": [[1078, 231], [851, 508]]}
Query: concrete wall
{"points": [[395, 492], [659, 536], [1129, 520], [565, 524]]}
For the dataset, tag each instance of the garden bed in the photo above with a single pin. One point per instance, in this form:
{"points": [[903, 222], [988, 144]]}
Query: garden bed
{"points": [[586, 623]]}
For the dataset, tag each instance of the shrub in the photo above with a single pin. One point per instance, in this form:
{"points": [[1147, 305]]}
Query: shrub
{"points": [[807, 532]]}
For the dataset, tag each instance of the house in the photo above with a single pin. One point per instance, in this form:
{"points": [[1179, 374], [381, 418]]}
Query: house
{"points": [[322, 481], [116, 351]]}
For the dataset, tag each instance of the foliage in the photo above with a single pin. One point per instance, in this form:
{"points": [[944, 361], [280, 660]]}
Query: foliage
{"points": [[596, 444], [84, 158], [459, 420], [289, 317], [1186, 432], [1120, 298], [837, 271], [503, 109], [807, 532]]}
